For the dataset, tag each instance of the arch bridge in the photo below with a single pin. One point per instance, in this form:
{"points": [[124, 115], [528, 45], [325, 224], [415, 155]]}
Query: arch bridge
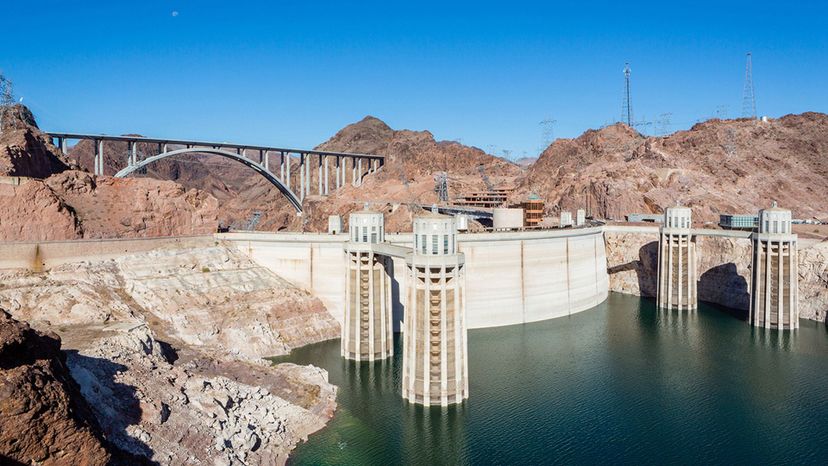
{"points": [[263, 161]]}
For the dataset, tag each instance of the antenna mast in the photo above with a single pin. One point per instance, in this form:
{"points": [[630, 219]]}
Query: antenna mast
{"points": [[626, 109], [748, 97]]}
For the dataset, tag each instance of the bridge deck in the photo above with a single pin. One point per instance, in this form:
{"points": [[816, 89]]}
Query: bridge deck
{"points": [[194, 143]]}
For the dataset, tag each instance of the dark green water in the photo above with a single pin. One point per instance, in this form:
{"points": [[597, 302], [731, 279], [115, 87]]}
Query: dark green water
{"points": [[621, 383]]}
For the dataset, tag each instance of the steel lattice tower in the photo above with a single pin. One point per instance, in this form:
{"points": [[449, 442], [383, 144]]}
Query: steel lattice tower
{"points": [[748, 97], [626, 109]]}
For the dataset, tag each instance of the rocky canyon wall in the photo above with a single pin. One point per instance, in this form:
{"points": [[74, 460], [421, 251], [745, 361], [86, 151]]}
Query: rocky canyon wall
{"points": [[724, 267]]}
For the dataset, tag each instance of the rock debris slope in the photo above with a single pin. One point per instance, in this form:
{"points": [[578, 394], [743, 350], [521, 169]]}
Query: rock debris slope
{"points": [[166, 348]]}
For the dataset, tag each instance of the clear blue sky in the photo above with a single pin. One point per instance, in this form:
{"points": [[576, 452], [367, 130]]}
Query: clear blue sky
{"points": [[293, 73]]}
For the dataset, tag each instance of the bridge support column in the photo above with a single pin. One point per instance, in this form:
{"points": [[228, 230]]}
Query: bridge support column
{"points": [[130, 145], [302, 177], [367, 331], [677, 262], [307, 175], [319, 175], [98, 162], [353, 171], [336, 167], [359, 172], [286, 160], [774, 298], [435, 361], [327, 185]]}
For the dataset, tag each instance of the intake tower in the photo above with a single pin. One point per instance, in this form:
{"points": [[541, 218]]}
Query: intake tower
{"points": [[677, 261], [435, 362], [367, 326], [774, 301]]}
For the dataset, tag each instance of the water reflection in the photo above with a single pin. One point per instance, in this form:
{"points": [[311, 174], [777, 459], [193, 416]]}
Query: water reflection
{"points": [[622, 383]]}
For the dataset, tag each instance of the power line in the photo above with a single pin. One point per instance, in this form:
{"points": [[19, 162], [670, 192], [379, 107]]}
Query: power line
{"points": [[748, 96]]}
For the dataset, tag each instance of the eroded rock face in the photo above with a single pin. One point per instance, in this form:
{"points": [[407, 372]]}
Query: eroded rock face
{"points": [[211, 297], [724, 267], [732, 166], [34, 211], [43, 418], [57, 201], [24, 150]]}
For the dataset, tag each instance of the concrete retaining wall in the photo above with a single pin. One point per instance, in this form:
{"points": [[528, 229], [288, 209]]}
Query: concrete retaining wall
{"points": [[39, 255]]}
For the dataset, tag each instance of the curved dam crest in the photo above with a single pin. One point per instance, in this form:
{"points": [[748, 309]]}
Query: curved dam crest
{"points": [[511, 277]]}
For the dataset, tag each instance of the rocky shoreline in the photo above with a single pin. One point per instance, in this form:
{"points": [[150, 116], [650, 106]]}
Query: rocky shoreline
{"points": [[165, 349]]}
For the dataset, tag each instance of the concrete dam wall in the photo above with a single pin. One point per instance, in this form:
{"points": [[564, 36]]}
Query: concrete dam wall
{"points": [[510, 277]]}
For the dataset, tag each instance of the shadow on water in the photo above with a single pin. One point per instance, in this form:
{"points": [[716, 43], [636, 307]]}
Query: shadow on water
{"points": [[121, 407]]}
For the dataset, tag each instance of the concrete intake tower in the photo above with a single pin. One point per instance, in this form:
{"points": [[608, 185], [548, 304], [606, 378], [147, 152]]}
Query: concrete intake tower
{"points": [[677, 261], [367, 326], [435, 362], [774, 301]]}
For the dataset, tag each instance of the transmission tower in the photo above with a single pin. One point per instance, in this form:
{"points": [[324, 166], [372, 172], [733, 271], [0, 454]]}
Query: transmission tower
{"points": [[663, 124], [626, 109], [748, 97], [721, 112], [547, 132], [441, 186]]}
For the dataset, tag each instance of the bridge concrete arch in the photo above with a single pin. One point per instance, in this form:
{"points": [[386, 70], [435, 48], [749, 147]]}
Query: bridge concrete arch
{"points": [[291, 197]]}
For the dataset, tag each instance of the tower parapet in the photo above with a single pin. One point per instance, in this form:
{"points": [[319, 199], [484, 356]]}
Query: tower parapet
{"points": [[367, 328], [677, 261], [435, 361], [774, 301]]}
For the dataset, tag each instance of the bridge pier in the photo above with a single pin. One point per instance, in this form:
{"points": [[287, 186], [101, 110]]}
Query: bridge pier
{"points": [[319, 179], [307, 175], [327, 186], [302, 177], [774, 300], [353, 171], [359, 172], [130, 145], [677, 262], [98, 162], [367, 331], [287, 168], [435, 361]]}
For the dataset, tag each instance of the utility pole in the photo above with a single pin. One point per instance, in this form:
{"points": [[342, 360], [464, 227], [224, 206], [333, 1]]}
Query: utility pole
{"points": [[626, 108], [748, 96]]}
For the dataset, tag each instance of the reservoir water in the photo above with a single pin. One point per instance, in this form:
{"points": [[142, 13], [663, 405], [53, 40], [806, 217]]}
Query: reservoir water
{"points": [[620, 383]]}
